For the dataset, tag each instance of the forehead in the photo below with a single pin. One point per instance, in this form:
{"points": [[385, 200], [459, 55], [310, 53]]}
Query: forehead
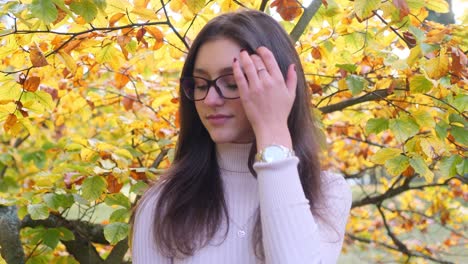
{"points": [[216, 57]]}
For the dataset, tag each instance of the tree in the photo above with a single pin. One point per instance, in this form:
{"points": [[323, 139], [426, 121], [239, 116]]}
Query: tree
{"points": [[88, 105]]}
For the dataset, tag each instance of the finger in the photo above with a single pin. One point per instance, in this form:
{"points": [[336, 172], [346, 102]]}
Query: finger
{"points": [[239, 76], [291, 80], [270, 62], [249, 70], [259, 65]]}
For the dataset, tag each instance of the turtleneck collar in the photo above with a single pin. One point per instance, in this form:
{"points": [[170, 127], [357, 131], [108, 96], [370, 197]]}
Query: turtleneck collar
{"points": [[233, 157]]}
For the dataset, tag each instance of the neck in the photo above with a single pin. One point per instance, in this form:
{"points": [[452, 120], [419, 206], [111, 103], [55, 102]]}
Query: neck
{"points": [[233, 157]]}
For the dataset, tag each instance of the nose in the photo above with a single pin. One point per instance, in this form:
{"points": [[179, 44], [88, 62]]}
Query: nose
{"points": [[213, 98]]}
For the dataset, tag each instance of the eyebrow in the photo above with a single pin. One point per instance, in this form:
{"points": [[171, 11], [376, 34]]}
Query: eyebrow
{"points": [[224, 70]]}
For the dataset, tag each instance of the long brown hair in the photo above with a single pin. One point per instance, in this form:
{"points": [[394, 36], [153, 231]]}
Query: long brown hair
{"points": [[191, 205]]}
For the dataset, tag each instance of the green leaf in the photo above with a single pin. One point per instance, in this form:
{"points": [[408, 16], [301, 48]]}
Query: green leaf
{"points": [[420, 167], [381, 156], [460, 134], [65, 234], [51, 237], [423, 118], [118, 199], [45, 10], [120, 215], [419, 84], [415, 4], [441, 129], [347, 67], [101, 4], [448, 165], [38, 211], [38, 157], [461, 102], [403, 128], [397, 165], [57, 201], [457, 120], [364, 8], [355, 84], [376, 125], [93, 187], [462, 168], [139, 188], [115, 232], [85, 8]]}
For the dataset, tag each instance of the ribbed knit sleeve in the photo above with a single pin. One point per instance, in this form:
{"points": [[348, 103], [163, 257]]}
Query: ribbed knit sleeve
{"points": [[291, 233], [144, 250]]}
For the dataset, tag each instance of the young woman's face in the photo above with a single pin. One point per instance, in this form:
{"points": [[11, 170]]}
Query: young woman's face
{"points": [[224, 119]]}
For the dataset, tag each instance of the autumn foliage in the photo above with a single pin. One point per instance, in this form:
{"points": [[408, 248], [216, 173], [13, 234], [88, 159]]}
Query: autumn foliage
{"points": [[88, 114]]}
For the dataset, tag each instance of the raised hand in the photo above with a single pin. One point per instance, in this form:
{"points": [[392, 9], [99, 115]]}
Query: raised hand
{"points": [[266, 97]]}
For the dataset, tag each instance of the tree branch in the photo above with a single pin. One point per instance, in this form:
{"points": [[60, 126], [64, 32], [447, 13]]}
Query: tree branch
{"points": [[81, 248], [308, 14], [263, 5], [394, 192], [10, 242], [413, 253], [375, 95]]}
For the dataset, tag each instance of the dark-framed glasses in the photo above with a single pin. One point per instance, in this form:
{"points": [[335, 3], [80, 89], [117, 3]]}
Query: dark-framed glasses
{"points": [[197, 88]]}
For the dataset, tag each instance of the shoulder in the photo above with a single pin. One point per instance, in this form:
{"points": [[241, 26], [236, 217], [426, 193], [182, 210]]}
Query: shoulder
{"points": [[147, 204]]}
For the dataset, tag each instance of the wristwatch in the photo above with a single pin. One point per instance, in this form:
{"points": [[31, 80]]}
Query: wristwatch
{"points": [[273, 153]]}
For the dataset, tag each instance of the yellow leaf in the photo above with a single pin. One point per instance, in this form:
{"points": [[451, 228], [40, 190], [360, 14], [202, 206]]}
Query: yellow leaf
{"points": [[176, 5], [68, 60], [437, 67], [364, 8], [87, 155], [415, 55], [107, 53], [102, 146], [144, 13], [438, 6], [381, 156], [124, 153]]}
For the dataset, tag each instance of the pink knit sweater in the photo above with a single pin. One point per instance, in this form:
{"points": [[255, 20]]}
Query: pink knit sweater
{"points": [[291, 233]]}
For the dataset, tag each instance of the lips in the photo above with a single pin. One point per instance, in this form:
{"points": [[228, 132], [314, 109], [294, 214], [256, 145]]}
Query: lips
{"points": [[218, 119]]}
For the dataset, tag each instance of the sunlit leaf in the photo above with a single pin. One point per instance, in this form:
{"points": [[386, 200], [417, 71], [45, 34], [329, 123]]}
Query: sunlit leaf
{"points": [[364, 8], [438, 6], [85, 8], [38, 211], [420, 167], [32, 83], [93, 187], [115, 232], [44, 10], [376, 125], [385, 154], [288, 9], [397, 165], [403, 128]]}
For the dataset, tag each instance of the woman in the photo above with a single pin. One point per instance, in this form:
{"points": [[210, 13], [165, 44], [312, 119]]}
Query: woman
{"points": [[243, 90]]}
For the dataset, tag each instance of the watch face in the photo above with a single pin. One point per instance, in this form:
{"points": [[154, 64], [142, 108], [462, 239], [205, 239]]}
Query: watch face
{"points": [[273, 153]]}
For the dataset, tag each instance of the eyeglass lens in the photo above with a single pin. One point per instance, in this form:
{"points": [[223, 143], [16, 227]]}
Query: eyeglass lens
{"points": [[196, 88]]}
